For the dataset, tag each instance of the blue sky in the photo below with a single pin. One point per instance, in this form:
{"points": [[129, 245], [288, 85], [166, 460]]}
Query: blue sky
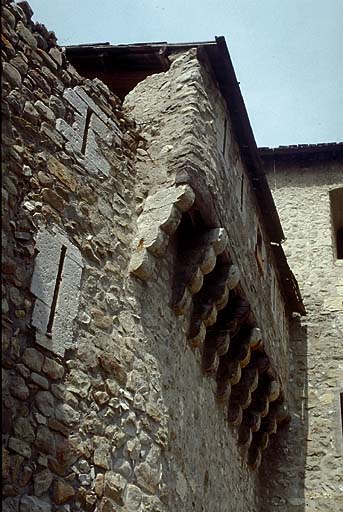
{"points": [[288, 54]]}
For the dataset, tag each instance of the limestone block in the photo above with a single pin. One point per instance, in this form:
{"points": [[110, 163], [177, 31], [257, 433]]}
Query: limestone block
{"points": [[254, 458], [152, 239], [62, 173], [234, 372], [101, 129], [27, 36], [93, 154], [82, 100], [273, 390], [208, 261], [45, 403], [75, 100], [11, 75], [33, 504], [44, 110], [223, 391], [63, 491], [197, 340], [235, 414], [223, 344], [114, 486], [142, 264], [40, 318], [253, 420], [233, 277], [47, 262], [33, 359], [72, 134], [19, 446], [93, 160], [255, 338], [184, 303], [148, 476], [218, 239], [181, 196], [223, 299], [269, 424], [250, 377], [42, 481], [244, 436], [159, 220], [46, 266], [66, 414], [132, 498], [196, 281]]}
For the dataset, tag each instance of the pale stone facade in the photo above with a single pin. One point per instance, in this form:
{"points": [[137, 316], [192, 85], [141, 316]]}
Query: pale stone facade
{"points": [[147, 302], [302, 184]]}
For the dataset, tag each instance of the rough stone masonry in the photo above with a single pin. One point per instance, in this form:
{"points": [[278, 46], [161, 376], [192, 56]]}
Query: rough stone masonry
{"points": [[146, 355], [303, 183]]}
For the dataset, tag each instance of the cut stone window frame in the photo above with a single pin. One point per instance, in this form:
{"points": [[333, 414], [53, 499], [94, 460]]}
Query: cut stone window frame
{"points": [[336, 205], [56, 285], [90, 126]]}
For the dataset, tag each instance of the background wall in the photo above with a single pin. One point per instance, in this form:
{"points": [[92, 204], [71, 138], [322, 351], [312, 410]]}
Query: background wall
{"points": [[313, 480]]}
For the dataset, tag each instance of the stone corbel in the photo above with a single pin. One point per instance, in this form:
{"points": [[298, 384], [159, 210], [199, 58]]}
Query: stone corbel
{"points": [[157, 223], [198, 262], [208, 302]]}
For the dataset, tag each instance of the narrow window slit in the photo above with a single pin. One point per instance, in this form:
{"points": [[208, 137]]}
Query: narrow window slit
{"points": [[85, 133], [242, 191], [339, 243], [224, 140], [336, 200], [341, 406], [56, 292]]}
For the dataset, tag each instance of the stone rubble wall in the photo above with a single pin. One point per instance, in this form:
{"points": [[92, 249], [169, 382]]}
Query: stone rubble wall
{"points": [[312, 479], [178, 112], [83, 416], [184, 127]]}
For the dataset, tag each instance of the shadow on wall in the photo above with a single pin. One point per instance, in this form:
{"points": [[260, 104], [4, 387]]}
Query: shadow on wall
{"points": [[283, 471]]}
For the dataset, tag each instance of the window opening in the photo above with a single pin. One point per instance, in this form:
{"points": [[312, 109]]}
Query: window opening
{"points": [[85, 133], [56, 292], [242, 191], [224, 140], [339, 243], [273, 293], [336, 201], [259, 251], [341, 406]]}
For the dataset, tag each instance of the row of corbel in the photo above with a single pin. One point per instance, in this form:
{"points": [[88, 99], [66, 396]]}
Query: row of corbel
{"points": [[221, 324]]}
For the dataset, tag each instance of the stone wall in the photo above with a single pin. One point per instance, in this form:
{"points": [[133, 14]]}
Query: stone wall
{"points": [[105, 404], [183, 118], [70, 429], [312, 478]]}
